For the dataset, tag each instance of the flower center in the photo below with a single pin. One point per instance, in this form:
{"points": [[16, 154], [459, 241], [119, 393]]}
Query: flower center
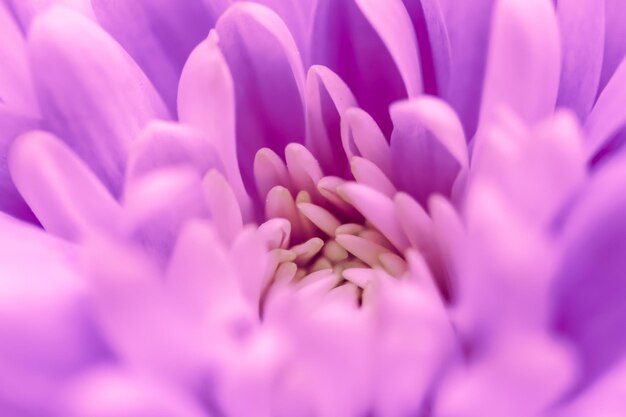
{"points": [[314, 230]]}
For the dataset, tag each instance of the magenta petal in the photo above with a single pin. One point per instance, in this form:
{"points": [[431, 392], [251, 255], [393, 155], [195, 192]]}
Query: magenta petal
{"points": [[10, 200], [64, 194], [614, 39], [268, 79], [16, 89], [608, 116], [27, 10], [469, 26], [581, 26], [161, 36], [96, 116], [524, 61], [328, 98], [165, 144], [427, 147], [589, 307], [346, 40], [434, 44]]}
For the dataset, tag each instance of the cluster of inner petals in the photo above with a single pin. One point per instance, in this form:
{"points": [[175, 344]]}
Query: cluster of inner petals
{"points": [[314, 230]]}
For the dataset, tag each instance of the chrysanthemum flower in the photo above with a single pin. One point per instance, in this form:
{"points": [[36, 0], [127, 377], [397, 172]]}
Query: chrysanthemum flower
{"points": [[325, 208]]}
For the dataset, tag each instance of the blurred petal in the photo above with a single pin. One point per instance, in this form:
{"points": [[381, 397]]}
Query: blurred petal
{"points": [[427, 146], [614, 39], [16, 89], [165, 144], [588, 307], [328, 98], [45, 327], [268, 79], [64, 194], [524, 61], [160, 38], [469, 26], [11, 201], [364, 46], [99, 116], [27, 10], [581, 25], [434, 44], [608, 116], [223, 206]]}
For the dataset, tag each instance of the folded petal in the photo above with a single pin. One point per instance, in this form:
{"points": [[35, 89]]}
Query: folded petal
{"points": [[64, 194], [469, 27], [588, 307], [524, 61], [614, 39], [45, 324], [268, 79], [16, 89], [327, 98], [427, 146], [581, 25], [369, 44], [608, 116], [434, 44], [11, 202], [160, 38], [97, 116], [166, 144]]}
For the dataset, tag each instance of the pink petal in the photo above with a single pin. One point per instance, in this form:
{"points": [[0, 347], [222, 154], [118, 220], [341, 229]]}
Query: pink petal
{"points": [[97, 117], [223, 206], [62, 191], [160, 38], [361, 136], [367, 173], [328, 98], [524, 61], [614, 39], [268, 79], [581, 27]]}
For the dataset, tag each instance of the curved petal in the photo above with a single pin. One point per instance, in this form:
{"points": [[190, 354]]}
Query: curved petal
{"points": [[608, 116], [524, 61], [361, 136], [327, 97], [223, 206], [362, 46], [469, 26], [46, 330], [427, 146], [434, 44], [16, 88], [64, 194], [27, 10], [166, 144], [268, 79], [588, 307], [11, 201], [614, 39], [96, 116], [160, 38], [581, 25]]}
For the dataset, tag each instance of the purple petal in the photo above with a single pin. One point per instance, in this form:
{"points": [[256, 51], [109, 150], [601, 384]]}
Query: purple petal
{"points": [[608, 116], [27, 10], [46, 331], [268, 79], [96, 116], [16, 89], [434, 44], [165, 144], [427, 146], [328, 97], [581, 25], [524, 61], [206, 100], [160, 38], [368, 48], [469, 26], [614, 39], [361, 136], [589, 307], [64, 194], [11, 201]]}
